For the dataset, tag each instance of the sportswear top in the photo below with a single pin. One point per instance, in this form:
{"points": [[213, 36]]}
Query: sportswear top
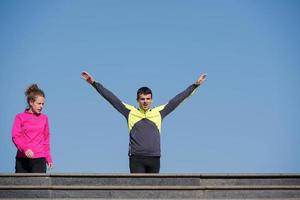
{"points": [[31, 131], [144, 126]]}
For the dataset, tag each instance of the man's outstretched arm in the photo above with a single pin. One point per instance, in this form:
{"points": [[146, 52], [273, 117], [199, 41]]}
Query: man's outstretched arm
{"points": [[108, 95], [173, 103]]}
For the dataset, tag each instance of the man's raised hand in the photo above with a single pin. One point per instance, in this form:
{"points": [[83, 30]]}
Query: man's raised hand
{"points": [[86, 76], [201, 79]]}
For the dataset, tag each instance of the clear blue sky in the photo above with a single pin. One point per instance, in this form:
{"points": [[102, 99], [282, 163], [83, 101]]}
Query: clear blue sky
{"points": [[244, 119]]}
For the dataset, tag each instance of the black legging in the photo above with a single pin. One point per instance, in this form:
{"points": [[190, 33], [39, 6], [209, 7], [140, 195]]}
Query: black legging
{"points": [[35, 165], [144, 164]]}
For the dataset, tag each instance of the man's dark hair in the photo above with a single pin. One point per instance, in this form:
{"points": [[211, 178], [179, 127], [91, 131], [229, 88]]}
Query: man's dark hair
{"points": [[143, 90]]}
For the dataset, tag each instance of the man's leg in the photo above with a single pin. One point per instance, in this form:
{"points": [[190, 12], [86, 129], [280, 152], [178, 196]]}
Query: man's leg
{"points": [[22, 165], [153, 165], [136, 164], [38, 165]]}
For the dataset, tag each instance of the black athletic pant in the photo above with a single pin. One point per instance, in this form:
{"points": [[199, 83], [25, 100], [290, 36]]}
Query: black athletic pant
{"points": [[144, 164], [35, 165]]}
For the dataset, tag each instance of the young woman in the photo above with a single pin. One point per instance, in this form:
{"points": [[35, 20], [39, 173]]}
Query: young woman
{"points": [[31, 136]]}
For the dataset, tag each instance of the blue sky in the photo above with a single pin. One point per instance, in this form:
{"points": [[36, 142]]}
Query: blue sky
{"points": [[244, 119]]}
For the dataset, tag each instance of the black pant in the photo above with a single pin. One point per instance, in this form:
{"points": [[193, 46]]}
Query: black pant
{"points": [[35, 165], [144, 164]]}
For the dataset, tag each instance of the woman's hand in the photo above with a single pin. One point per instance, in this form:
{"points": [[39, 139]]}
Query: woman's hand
{"points": [[29, 153]]}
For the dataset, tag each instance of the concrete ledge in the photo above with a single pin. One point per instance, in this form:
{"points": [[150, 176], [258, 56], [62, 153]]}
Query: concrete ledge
{"points": [[150, 186], [206, 175], [26, 187]]}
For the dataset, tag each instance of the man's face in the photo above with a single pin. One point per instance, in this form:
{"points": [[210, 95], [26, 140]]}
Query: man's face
{"points": [[145, 101]]}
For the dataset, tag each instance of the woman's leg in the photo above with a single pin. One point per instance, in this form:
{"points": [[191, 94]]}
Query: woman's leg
{"points": [[38, 165], [22, 165]]}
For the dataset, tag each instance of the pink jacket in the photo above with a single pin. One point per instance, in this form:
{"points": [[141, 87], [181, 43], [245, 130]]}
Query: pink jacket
{"points": [[31, 131]]}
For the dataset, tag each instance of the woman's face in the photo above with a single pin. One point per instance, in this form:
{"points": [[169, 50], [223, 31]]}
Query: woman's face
{"points": [[37, 105]]}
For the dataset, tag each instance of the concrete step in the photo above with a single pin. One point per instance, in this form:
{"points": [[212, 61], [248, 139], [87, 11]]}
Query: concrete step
{"points": [[150, 179], [150, 186], [143, 199]]}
